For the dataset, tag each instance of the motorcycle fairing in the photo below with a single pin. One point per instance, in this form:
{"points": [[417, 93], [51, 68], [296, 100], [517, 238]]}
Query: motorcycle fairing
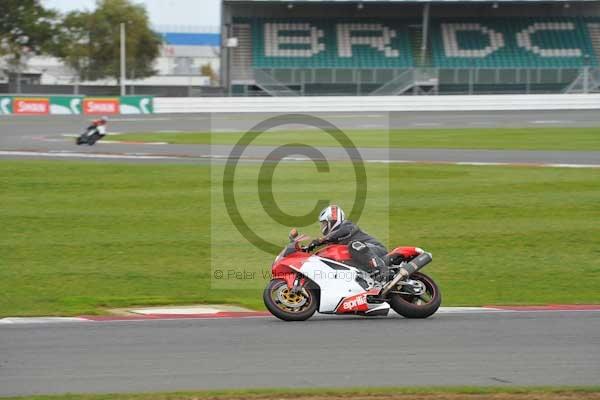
{"points": [[289, 267], [338, 286], [334, 284], [406, 252], [357, 303]]}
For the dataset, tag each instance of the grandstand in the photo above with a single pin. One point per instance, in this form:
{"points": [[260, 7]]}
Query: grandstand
{"points": [[396, 47]]}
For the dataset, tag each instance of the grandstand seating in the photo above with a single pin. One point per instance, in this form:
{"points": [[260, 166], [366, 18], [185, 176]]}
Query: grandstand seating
{"points": [[365, 44], [512, 43], [330, 44]]}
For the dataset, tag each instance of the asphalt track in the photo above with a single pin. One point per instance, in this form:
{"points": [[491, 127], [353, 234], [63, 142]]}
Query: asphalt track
{"points": [[513, 348], [495, 349], [44, 136]]}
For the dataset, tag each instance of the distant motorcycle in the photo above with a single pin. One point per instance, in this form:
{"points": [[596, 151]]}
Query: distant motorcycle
{"points": [[328, 282], [93, 133]]}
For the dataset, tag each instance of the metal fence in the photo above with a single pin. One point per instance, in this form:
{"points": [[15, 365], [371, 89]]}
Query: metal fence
{"points": [[343, 81]]}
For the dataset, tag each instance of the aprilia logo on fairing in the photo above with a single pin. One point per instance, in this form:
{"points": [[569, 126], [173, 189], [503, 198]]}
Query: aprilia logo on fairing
{"points": [[357, 303]]}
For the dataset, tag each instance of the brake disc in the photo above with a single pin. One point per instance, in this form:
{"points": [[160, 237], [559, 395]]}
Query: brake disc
{"points": [[291, 300]]}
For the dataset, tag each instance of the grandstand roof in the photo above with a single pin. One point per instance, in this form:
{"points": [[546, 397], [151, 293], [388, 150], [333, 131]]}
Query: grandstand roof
{"points": [[411, 1]]}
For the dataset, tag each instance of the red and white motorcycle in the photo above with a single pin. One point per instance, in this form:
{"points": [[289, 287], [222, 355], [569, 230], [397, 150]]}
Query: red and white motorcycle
{"points": [[328, 282]]}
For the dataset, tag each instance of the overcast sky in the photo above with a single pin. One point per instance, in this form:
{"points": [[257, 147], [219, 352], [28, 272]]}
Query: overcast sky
{"points": [[162, 12]]}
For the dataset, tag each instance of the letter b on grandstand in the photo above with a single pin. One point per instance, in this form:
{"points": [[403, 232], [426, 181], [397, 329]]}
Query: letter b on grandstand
{"points": [[286, 48]]}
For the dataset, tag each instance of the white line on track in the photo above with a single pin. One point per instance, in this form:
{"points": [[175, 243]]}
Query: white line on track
{"points": [[487, 164], [552, 121], [426, 124], [140, 119], [353, 116], [291, 158], [74, 135], [44, 139], [133, 142], [145, 156], [39, 320], [482, 123], [572, 165], [371, 126], [88, 155], [529, 164]]}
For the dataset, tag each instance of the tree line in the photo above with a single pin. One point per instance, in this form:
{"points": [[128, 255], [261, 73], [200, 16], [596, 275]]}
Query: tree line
{"points": [[86, 41]]}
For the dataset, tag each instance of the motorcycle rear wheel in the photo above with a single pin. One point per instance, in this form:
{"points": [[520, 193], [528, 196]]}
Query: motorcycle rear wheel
{"points": [[300, 306], [411, 306]]}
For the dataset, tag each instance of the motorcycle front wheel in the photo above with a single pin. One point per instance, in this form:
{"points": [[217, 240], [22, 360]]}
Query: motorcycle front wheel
{"points": [[423, 306], [289, 306]]}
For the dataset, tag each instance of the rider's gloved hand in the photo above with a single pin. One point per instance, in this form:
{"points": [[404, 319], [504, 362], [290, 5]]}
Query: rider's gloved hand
{"points": [[314, 244]]}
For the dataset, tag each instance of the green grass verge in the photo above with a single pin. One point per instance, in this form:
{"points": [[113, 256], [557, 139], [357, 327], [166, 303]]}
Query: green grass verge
{"points": [[492, 139], [81, 237], [321, 392]]}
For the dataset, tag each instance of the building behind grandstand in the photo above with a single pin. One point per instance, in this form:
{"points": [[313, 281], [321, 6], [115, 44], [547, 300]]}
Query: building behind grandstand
{"points": [[185, 51], [393, 47]]}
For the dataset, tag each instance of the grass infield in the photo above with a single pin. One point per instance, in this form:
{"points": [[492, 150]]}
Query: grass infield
{"points": [[396, 393], [78, 238], [490, 139]]}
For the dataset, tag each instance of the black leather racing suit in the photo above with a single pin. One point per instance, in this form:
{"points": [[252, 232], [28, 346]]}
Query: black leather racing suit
{"points": [[367, 252]]}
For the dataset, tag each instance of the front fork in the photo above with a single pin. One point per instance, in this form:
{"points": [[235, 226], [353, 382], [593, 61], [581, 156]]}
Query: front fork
{"points": [[298, 284]]}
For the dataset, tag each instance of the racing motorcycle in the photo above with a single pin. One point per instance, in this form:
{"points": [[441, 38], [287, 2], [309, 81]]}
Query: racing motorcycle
{"points": [[91, 135], [327, 281]]}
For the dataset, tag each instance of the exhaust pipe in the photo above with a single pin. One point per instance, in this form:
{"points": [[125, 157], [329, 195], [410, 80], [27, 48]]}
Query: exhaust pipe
{"points": [[407, 270], [416, 264]]}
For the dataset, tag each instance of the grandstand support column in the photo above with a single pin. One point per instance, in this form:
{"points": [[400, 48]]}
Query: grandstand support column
{"points": [[586, 74], [425, 27], [471, 77], [123, 55], [226, 28]]}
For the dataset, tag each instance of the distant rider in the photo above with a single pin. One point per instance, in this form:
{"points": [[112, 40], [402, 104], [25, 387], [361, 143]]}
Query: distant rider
{"points": [[366, 251], [100, 126]]}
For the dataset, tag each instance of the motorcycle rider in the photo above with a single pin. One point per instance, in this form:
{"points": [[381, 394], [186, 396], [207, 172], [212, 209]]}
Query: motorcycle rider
{"points": [[366, 251], [100, 126]]}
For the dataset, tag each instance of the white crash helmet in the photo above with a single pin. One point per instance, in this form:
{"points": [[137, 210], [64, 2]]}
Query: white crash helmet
{"points": [[331, 218]]}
